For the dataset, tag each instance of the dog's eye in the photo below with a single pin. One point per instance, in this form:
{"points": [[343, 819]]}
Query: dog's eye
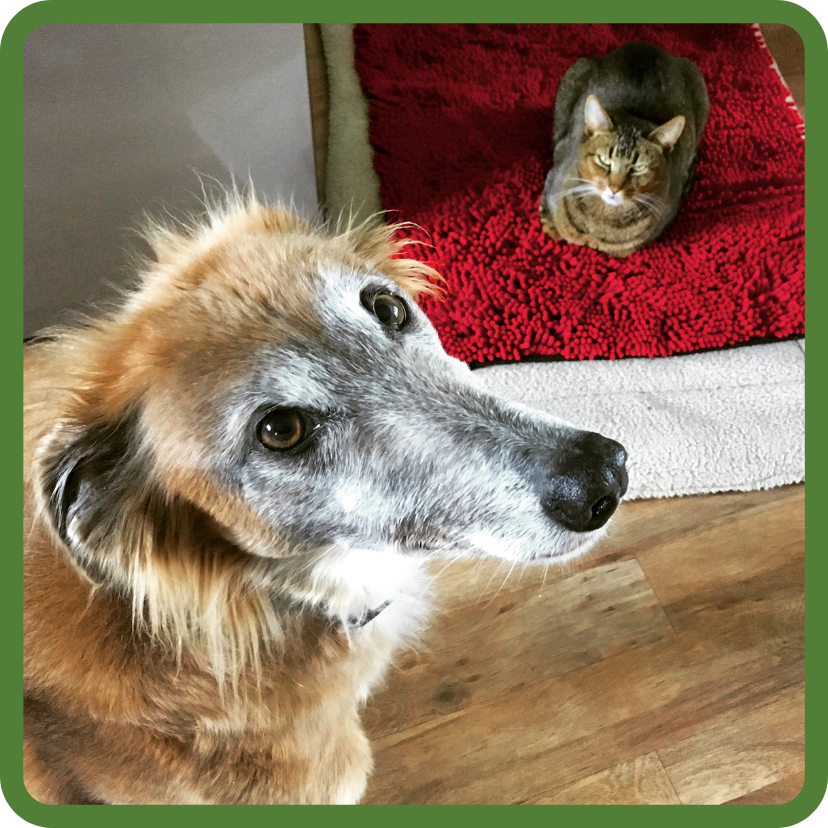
{"points": [[283, 429], [390, 310]]}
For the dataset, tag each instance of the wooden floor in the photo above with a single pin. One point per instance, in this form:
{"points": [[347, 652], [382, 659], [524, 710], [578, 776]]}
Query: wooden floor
{"points": [[788, 51], [667, 669]]}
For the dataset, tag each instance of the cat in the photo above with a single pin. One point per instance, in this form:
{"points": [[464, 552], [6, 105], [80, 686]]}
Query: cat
{"points": [[626, 130]]}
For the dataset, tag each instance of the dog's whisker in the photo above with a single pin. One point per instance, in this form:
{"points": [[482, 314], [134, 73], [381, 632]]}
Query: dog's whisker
{"points": [[514, 563], [522, 571], [443, 569], [545, 573], [500, 566]]}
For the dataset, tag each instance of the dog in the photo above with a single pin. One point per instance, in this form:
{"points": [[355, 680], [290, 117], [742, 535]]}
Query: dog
{"points": [[233, 483]]}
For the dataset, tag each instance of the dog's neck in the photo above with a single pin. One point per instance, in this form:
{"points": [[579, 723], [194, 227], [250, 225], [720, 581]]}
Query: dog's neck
{"points": [[357, 621], [352, 587]]}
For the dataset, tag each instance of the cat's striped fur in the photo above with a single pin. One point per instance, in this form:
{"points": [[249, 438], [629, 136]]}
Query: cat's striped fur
{"points": [[627, 128]]}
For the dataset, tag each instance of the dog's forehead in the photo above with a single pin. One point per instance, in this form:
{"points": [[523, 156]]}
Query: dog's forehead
{"points": [[263, 284], [346, 337], [290, 351]]}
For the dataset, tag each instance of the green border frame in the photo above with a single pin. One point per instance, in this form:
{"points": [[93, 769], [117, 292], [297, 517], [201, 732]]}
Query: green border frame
{"points": [[153, 11]]}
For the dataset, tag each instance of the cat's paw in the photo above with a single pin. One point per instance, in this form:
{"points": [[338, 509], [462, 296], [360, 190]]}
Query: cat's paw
{"points": [[549, 228]]}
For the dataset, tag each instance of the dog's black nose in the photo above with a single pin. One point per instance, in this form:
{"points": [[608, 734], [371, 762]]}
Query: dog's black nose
{"points": [[589, 480]]}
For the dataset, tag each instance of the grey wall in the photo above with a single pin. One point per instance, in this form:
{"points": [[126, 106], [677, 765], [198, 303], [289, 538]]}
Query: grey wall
{"points": [[118, 120]]}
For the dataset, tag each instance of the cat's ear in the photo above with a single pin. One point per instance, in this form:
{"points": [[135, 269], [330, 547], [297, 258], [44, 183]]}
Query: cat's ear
{"points": [[667, 134], [595, 118]]}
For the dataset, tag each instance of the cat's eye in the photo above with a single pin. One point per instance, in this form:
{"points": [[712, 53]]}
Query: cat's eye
{"points": [[284, 428], [603, 161], [390, 310], [638, 170]]}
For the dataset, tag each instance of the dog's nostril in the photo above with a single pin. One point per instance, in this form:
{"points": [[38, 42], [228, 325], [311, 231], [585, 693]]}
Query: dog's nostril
{"points": [[603, 508], [576, 511], [589, 480]]}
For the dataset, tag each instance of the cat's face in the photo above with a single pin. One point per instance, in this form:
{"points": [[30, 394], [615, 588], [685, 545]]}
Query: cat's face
{"points": [[621, 170], [623, 163]]}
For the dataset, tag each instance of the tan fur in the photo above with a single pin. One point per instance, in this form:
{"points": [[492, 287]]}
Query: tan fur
{"points": [[620, 174], [593, 223], [186, 686]]}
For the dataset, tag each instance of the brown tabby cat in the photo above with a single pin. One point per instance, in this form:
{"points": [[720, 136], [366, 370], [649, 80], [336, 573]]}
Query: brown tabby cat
{"points": [[627, 127]]}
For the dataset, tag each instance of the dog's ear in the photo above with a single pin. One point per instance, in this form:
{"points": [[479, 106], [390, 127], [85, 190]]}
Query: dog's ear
{"points": [[123, 532], [96, 488], [87, 479]]}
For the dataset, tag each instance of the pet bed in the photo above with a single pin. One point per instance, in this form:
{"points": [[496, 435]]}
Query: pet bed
{"points": [[730, 419], [461, 121]]}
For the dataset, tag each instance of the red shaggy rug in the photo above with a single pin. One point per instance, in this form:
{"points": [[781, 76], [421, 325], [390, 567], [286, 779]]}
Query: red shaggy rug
{"points": [[461, 123]]}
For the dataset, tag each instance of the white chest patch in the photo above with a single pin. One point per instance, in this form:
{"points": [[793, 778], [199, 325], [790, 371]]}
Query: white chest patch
{"points": [[351, 583], [354, 581]]}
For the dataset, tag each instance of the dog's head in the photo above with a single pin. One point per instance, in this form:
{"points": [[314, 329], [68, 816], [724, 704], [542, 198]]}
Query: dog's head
{"points": [[273, 391]]}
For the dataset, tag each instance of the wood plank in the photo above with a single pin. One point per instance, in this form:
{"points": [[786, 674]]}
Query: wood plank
{"points": [[641, 781], [757, 552], [740, 751], [552, 733], [646, 524], [518, 638], [777, 793], [555, 732], [788, 51], [319, 104], [472, 582]]}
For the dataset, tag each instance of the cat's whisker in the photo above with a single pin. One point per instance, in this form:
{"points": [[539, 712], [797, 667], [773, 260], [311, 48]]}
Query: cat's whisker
{"points": [[580, 190], [652, 204], [648, 198]]}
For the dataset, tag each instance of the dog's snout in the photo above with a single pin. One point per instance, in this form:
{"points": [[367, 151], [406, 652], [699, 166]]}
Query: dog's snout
{"points": [[588, 482]]}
